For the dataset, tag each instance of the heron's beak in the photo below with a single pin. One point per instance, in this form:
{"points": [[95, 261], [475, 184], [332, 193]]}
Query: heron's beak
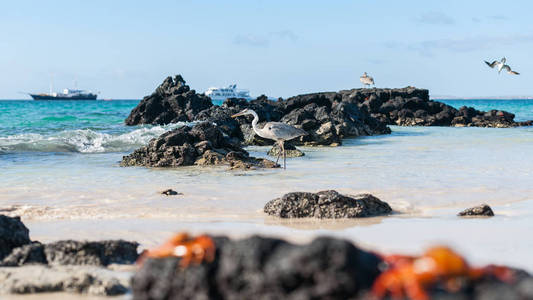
{"points": [[237, 114]]}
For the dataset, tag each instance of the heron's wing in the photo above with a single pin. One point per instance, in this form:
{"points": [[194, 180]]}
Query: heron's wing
{"points": [[282, 131], [506, 67], [492, 65], [513, 72]]}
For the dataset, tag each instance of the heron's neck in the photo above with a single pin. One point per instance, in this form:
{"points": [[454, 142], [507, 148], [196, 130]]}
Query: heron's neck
{"points": [[254, 122]]}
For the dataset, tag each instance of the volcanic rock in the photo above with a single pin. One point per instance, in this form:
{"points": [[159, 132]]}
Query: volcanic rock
{"points": [[411, 107], [325, 116], [173, 101], [326, 204], [101, 253], [27, 254], [480, 210], [69, 252], [13, 234], [202, 144], [265, 268]]}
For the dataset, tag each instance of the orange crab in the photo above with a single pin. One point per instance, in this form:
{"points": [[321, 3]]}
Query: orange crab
{"points": [[409, 277], [190, 249]]}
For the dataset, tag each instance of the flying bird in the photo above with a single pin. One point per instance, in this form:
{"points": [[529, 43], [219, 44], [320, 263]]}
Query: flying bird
{"points": [[501, 65], [366, 80], [277, 131]]}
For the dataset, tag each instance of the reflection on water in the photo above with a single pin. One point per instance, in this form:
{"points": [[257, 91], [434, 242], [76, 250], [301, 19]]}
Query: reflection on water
{"points": [[328, 224]]}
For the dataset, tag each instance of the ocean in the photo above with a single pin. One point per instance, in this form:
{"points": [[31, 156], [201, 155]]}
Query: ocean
{"points": [[59, 170]]}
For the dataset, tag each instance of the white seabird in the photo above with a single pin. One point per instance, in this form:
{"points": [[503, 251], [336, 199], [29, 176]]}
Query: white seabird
{"points": [[501, 65], [366, 80]]}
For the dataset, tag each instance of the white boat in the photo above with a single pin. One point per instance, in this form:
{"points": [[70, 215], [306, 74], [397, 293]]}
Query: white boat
{"points": [[68, 94], [221, 94]]}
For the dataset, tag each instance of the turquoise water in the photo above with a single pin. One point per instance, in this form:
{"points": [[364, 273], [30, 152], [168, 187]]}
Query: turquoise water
{"points": [[71, 126], [98, 126], [522, 108], [59, 171]]}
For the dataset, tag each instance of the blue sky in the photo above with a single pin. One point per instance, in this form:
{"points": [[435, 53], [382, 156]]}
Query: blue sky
{"points": [[124, 49]]}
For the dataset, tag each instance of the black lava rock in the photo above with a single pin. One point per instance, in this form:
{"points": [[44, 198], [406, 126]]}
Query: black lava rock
{"points": [[327, 117], [13, 234], [173, 101], [28, 254], [326, 204], [412, 107], [480, 210], [101, 253], [264, 268], [202, 144]]}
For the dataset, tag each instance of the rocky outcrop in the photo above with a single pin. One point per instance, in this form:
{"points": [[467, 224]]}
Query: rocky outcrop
{"points": [[13, 234], [327, 268], [44, 279], [69, 252], [480, 210], [325, 116], [326, 204], [262, 268], [202, 144], [173, 101], [411, 106]]}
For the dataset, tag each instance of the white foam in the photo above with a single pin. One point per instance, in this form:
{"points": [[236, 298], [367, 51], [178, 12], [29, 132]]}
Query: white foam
{"points": [[84, 140]]}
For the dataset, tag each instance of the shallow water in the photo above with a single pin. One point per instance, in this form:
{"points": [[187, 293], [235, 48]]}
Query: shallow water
{"points": [[66, 184]]}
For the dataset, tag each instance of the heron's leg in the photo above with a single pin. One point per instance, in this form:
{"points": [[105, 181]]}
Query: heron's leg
{"points": [[279, 152], [284, 156]]}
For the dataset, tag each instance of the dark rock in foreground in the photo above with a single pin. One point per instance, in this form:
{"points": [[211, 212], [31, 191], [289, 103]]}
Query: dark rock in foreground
{"points": [[101, 253], [28, 254], [326, 268], [326, 204], [262, 268], [290, 151], [63, 266], [13, 234], [480, 210], [202, 144], [80, 279]]}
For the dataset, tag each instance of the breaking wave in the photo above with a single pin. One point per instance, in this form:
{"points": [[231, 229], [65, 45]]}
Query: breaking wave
{"points": [[83, 140]]}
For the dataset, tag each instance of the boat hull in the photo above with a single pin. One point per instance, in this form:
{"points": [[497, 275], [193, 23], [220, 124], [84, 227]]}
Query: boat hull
{"points": [[48, 97]]}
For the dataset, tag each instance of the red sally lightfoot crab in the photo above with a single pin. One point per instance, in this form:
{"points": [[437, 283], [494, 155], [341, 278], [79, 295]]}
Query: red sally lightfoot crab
{"points": [[191, 249], [410, 277]]}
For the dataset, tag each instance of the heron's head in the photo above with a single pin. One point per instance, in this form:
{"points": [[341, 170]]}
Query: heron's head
{"points": [[504, 60], [243, 113]]}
